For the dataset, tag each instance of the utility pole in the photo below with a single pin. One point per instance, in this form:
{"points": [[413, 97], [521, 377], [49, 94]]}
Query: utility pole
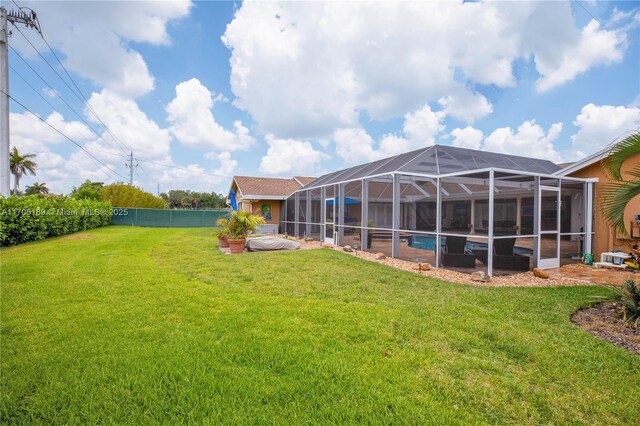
{"points": [[29, 20], [131, 166]]}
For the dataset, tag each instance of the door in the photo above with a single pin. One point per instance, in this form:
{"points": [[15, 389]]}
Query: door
{"points": [[549, 226], [329, 214]]}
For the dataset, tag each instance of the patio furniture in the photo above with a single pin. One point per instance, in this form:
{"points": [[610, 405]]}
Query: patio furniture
{"points": [[454, 253], [504, 257], [612, 259]]}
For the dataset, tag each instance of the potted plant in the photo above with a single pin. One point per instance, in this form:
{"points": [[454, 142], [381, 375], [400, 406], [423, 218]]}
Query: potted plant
{"points": [[370, 224], [240, 225], [222, 232]]}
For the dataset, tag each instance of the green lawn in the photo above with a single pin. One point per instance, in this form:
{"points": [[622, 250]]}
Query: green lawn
{"points": [[142, 325]]}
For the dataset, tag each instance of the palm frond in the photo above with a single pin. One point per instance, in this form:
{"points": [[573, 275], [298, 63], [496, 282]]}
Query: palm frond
{"points": [[615, 197], [619, 153]]}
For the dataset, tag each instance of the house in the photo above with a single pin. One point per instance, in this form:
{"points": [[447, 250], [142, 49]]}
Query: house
{"points": [[606, 238], [264, 196]]}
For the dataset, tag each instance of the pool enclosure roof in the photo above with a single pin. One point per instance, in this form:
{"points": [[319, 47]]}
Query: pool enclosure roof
{"points": [[438, 160]]}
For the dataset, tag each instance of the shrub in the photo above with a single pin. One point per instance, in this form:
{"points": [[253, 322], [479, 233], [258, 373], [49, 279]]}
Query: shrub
{"points": [[36, 217], [630, 295], [222, 231], [90, 190], [121, 195], [241, 223]]}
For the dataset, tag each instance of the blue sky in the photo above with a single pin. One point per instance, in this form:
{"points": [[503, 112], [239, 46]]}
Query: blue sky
{"points": [[202, 91]]}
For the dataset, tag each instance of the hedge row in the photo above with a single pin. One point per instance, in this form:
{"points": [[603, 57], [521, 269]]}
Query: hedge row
{"points": [[36, 217], [121, 195]]}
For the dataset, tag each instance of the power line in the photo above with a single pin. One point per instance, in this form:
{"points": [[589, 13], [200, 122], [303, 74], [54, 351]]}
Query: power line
{"points": [[142, 177], [32, 88], [161, 164], [86, 101], [586, 10], [61, 133], [143, 172], [131, 167], [86, 123], [81, 97], [45, 60], [184, 168]]}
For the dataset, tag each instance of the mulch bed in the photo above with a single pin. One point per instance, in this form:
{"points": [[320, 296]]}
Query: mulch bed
{"points": [[604, 320]]}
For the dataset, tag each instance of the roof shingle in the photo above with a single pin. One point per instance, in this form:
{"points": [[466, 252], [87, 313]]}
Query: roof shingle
{"points": [[278, 187]]}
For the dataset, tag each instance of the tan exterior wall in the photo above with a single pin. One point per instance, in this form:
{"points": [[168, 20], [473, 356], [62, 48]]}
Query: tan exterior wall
{"points": [[605, 237], [255, 207]]}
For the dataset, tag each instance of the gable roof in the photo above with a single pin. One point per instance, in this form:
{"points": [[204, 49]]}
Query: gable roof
{"points": [[273, 188], [585, 162], [437, 160], [304, 180]]}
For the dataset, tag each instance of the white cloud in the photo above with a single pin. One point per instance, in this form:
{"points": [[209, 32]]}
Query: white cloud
{"points": [[30, 134], [467, 138], [595, 46], [149, 142], [600, 125], [466, 105], [193, 123], [94, 38], [291, 157], [51, 93], [303, 70], [130, 125], [419, 130], [529, 140], [197, 178], [355, 145]]}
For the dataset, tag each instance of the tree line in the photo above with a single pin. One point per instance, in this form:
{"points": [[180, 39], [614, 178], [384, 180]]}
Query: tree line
{"points": [[118, 194]]}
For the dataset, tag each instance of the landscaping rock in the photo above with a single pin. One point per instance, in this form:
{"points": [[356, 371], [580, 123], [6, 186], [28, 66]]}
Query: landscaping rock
{"points": [[380, 256], [523, 279], [423, 266], [308, 239], [540, 273], [348, 249], [478, 276]]}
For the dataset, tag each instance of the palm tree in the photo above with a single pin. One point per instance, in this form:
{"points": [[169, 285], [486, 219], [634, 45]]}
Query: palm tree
{"points": [[37, 188], [621, 190], [20, 165]]}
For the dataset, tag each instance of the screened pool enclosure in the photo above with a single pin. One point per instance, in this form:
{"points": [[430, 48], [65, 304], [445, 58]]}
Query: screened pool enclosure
{"points": [[452, 207]]}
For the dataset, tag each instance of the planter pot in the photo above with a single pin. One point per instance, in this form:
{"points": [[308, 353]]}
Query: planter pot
{"points": [[224, 242], [236, 246]]}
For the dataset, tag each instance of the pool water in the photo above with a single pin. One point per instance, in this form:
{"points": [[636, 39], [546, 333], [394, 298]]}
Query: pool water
{"points": [[427, 242]]}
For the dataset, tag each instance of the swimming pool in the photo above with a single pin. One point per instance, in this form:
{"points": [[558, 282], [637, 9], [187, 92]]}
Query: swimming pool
{"points": [[425, 242], [428, 242]]}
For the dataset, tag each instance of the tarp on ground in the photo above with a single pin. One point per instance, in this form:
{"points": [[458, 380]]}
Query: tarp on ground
{"points": [[270, 244]]}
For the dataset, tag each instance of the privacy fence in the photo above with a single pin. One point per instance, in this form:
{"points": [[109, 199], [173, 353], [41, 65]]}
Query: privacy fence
{"points": [[167, 218]]}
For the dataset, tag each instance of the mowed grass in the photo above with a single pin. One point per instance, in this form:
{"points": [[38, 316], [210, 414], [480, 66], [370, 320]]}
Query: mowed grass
{"points": [[143, 325]]}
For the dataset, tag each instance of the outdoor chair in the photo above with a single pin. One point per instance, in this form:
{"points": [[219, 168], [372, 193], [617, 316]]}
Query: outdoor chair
{"points": [[454, 255], [505, 258]]}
